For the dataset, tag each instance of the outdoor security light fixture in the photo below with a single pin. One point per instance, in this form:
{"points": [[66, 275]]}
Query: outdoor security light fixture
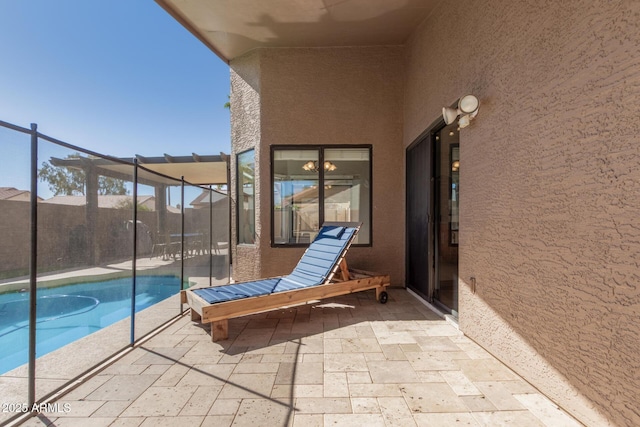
{"points": [[467, 110]]}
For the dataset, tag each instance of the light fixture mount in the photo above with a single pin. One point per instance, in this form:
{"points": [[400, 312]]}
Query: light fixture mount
{"points": [[467, 110]]}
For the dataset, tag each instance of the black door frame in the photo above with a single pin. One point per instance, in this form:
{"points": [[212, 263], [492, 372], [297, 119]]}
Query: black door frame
{"points": [[428, 137]]}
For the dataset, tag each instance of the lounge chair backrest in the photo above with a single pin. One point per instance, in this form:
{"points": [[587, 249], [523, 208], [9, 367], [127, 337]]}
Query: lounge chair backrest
{"points": [[317, 266], [323, 254]]}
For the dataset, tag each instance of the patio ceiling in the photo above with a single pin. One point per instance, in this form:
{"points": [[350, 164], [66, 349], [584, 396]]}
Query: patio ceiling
{"points": [[231, 28]]}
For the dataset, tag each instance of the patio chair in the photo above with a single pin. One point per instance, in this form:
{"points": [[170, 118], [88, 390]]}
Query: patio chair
{"points": [[322, 272]]}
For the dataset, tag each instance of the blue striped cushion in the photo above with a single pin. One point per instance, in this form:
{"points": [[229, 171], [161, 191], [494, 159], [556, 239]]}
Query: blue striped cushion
{"points": [[313, 269]]}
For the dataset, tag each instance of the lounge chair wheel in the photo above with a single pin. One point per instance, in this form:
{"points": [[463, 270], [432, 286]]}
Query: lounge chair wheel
{"points": [[384, 297]]}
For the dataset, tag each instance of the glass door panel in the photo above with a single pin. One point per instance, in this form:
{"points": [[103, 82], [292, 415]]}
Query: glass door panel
{"points": [[447, 202], [419, 218]]}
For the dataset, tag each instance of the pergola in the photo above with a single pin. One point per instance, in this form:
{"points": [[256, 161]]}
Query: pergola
{"points": [[195, 169], [157, 172]]}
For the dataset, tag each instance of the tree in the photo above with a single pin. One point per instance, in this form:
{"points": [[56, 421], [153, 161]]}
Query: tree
{"points": [[108, 185], [62, 181], [72, 182], [128, 204]]}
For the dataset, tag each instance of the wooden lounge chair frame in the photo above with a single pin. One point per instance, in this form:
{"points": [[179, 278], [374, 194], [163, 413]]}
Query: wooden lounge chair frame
{"points": [[341, 281]]}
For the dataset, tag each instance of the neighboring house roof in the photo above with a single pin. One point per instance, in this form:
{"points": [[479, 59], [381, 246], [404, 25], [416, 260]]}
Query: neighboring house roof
{"points": [[12, 193], [203, 198], [109, 201]]}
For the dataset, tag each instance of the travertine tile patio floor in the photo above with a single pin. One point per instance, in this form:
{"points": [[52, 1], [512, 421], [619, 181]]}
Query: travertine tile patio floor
{"points": [[346, 361]]}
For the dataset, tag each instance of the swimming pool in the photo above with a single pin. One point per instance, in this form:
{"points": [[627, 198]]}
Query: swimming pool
{"points": [[67, 313]]}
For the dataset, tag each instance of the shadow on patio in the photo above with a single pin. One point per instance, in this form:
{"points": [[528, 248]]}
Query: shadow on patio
{"points": [[346, 361]]}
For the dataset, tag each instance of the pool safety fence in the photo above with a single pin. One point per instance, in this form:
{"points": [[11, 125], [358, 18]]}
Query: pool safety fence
{"points": [[93, 216]]}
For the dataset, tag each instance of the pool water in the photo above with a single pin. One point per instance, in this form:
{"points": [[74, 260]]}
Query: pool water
{"points": [[70, 312]]}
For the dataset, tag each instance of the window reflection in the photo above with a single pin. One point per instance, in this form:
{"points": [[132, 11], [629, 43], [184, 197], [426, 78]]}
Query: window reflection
{"points": [[246, 197], [313, 186], [295, 196]]}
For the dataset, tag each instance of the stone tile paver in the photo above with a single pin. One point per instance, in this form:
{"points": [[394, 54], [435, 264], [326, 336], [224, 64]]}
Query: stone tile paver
{"points": [[308, 420], [346, 361], [82, 422], [171, 422], [128, 422], [499, 395], [508, 419], [396, 412], [201, 401], [323, 405], [335, 384], [262, 412], [460, 384], [365, 405], [225, 407], [160, 355], [123, 387], [160, 402], [545, 410], [434, 397], [111, 409], [453, 419], [218, 421], [392, 372], [248, 386], [206, 375], [354, 420]]}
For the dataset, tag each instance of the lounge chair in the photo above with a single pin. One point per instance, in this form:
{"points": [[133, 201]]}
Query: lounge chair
{"points": [[322, 272]]}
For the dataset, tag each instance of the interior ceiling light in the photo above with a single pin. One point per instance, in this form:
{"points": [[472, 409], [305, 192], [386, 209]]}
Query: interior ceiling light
{"points": [[467, 110], [309, 166], [312, 166]]}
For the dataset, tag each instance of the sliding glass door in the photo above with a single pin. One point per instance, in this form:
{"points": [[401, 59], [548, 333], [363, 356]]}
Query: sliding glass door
{"points": [[433, 196]]}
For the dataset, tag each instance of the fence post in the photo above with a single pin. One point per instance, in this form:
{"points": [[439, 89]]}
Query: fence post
{"points": [[33, 265], [135, 251], [210, 235], [181, 238]]}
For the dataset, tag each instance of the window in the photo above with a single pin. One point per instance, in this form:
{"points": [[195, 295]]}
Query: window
{"points": [[316, 185], [246, 199]]}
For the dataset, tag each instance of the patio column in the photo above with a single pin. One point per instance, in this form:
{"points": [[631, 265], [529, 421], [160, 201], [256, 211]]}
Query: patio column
{"points": [[161, 206], [91, 213]]}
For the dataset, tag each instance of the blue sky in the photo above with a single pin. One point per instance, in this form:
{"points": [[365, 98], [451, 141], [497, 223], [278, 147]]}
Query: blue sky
{"points": [[120, 77]]}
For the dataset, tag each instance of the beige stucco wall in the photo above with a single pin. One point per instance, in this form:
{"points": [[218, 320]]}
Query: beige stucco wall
{"points": [[331, 96], [550, 188], [246, 135]]}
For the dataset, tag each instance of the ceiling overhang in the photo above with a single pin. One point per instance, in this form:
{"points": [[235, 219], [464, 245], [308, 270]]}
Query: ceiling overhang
{"points": [[230, 28]]}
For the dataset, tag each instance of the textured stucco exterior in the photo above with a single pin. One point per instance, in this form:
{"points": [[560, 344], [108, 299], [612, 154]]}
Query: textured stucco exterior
{"points": [[246, 135], [330, 96], [550, 188]]}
